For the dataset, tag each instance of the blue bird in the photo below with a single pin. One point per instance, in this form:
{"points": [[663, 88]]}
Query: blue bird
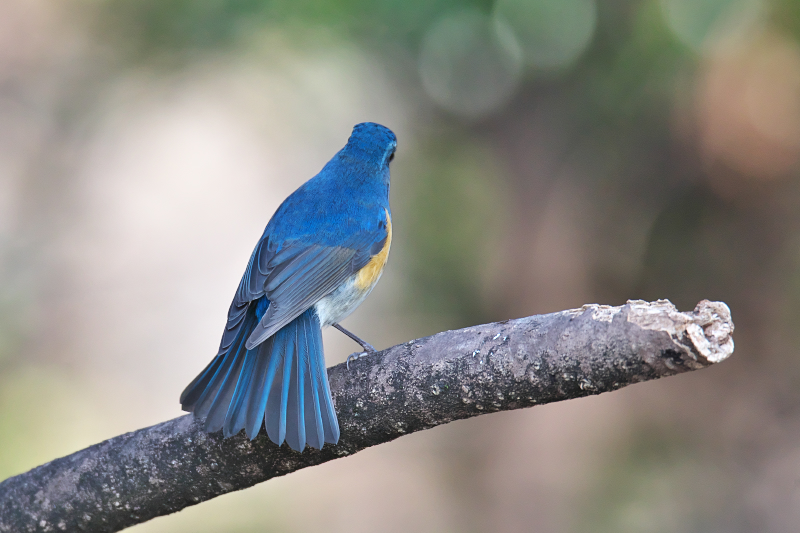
{"points": [[320, 255]]}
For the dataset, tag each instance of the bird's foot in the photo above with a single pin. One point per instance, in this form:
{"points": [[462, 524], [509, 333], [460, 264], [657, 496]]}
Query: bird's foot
{"points": [[368, 348], [358, 355]]}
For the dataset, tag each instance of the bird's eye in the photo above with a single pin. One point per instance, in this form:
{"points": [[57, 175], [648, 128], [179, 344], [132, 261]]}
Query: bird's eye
{"points": [[391, 157]]}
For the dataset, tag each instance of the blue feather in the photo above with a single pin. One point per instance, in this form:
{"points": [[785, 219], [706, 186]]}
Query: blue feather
{"points": [[282, 383], [234, 418], [273, 416], [286, 381], [257, 401]]}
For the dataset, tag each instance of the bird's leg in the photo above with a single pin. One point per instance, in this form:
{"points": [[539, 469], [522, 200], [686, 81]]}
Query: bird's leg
{"points": [[368, 348]]}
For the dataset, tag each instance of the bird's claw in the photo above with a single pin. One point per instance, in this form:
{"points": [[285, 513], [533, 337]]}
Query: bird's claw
{"points": [[357, 355]]}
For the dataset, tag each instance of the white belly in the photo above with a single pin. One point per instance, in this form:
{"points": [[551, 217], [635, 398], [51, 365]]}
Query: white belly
{"points": [[336, 306]]}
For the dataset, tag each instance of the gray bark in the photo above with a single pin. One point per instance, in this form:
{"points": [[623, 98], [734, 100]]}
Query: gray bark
{"points": [[410, 387]]}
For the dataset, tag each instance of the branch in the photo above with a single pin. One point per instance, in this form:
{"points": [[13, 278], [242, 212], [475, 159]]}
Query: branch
{"points": [[410, 387]]}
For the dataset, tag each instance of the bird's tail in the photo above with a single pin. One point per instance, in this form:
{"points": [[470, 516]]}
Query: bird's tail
{"points": [[282, 382]]}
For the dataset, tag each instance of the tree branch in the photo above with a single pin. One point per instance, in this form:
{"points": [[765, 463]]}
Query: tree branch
{"points": [[410, 387]]}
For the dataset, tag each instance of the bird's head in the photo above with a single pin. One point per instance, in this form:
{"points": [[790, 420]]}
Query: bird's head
{"points": [[372, 143]]}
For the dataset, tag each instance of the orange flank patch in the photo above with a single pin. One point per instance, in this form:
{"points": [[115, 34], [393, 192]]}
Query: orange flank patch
{"points": [[368, 276]]}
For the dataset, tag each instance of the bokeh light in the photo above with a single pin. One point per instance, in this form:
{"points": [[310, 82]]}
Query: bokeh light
{"points": [[749, 107], [704, 24], [553, 33], [469, 64]]}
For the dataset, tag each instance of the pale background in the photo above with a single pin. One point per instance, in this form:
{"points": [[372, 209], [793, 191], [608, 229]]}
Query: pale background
{"points": [[551, 153]]}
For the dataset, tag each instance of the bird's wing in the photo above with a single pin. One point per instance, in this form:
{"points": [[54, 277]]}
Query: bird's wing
{"points": [[294, 278]]}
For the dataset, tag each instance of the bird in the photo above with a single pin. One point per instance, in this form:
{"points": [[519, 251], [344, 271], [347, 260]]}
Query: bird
{"points": [[320, 255]]}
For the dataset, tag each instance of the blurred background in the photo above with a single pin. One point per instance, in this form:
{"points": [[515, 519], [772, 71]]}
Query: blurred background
{"points": [[551, 153]]}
